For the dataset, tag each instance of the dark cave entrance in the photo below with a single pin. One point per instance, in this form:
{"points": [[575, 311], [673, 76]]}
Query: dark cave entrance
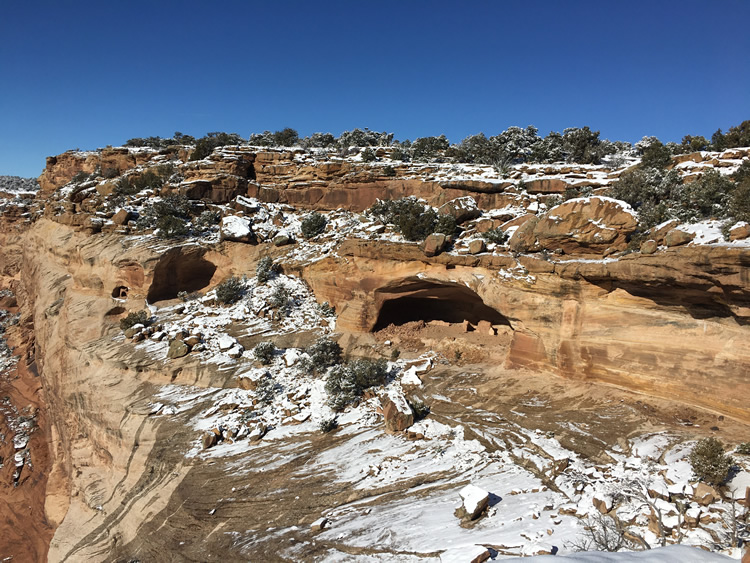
{"points": [[177, 272], [429, 301]]}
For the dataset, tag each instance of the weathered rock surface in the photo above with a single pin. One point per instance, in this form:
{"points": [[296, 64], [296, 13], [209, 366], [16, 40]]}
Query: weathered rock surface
{"points": [[578, 226], [396, 412]]}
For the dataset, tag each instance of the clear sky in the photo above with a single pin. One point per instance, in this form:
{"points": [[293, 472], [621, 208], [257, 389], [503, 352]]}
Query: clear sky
{"points": [[82, 74]]}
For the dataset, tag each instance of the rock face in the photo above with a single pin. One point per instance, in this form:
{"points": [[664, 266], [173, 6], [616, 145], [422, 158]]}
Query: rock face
{"points": [[578, 226]]}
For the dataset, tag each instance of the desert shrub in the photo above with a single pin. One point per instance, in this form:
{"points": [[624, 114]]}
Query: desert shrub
{"points": [[230, 290], [737, 136], [364, 138], [265, 269], [429, 148], [549, 149], [709, 462], [400, 153], [140, 317], [206, 145], [346, 383], [656, 155], [743, 449], [326, 310], [206, 220], [743, 172], [318, 140], [739, 202], [173, 205], [694, 144], [412, 219], [389, 171], [583, 145], [281, 299], [445, 224], [368, 155], [328, 425], [651, 192], [287, 137], [264, 352], [419, 408], [265, 390], [324, 353], [171, 226], [706, 197], [496, 235], [395, 353], [313, 224]]}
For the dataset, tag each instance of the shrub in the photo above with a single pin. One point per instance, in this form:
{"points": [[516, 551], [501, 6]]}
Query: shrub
{"points": [[328, 425], [656, 155], [206, 220], [230, 290], [264, 352], [346, 383], [429, 148], [326, 310], [313, 224], [141, 317], [206, 145], [743, 449], [649, 191], [281, 299], [265, 269], [709, 462], [496, 235], [324, 353], [412, 219], [171, 205], [739, 202], [389, 171], [265, 390], [368, 155], [446, 224], [170, 226], [706, 197], [419, 408]]}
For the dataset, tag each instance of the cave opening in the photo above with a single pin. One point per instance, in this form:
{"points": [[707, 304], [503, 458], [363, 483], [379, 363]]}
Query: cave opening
{"points": [[428, 301], [177, 272]]}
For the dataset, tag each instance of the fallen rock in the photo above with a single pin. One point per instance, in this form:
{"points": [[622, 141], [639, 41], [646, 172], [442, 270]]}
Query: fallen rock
{"points": [[462, 209], [603, 504], [236, 229], [434, 244], [649, 247], [396, 411], [477, 554], [705, 494], [177, 349], [676, 237], [257, 432], [475, 500], [660, 231], [122, 217], [740, 231], [477, 246], [320, 524], [282, 239], [192, 340], [578, 226], [209, 440]]}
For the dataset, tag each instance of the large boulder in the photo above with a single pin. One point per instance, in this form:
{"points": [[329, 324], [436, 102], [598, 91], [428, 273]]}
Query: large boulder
{"points": [[676, 237], [739, 231], [396, 411], [578, 226], [177, 349], [462, 209], [236, 229], [435, 244], [475, 500]]}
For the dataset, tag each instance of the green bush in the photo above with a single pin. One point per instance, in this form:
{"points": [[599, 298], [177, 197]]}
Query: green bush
{"points": [[206, 220], [743, 449], [346, 383], [496, 235], [446, 224], [328, 425], [368, 155], [656, 155], [709, 462], [412, 219], [651, 192], [171, 205], [264, 352], [206, 145], [324, 353], [281, 299], [313, 224], [170, 226], [739, 202], [429, 148], [141, 317], [326, 310], [706, 197], [265, 390], [265, 269], [230, 290], [419, 408]]}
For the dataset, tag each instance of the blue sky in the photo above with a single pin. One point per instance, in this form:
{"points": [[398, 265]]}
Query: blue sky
{"points": [[88, 74]]}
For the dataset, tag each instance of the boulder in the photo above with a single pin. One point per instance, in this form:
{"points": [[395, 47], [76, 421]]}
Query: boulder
{"points": [[122, 217], [192, 340], [659, 232], [475, 500], [434, 244], [740, 231], [578, 226], [320, 524], [477, 246], [603, 504], [236, 229], [396, 411], [282, 239], [676, 237], [649, 246], [462, 209], [209, 440], [177, 349], [705, 494]]}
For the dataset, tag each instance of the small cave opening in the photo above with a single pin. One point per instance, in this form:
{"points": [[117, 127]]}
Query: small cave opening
{"points": [[120, 292], [177, 272], [114, 312], [428, 301]]}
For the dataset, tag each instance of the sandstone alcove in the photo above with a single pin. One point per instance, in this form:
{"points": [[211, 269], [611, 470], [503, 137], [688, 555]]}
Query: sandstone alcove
{"points": [[433, 301], [179, 270], [120, 292]]}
